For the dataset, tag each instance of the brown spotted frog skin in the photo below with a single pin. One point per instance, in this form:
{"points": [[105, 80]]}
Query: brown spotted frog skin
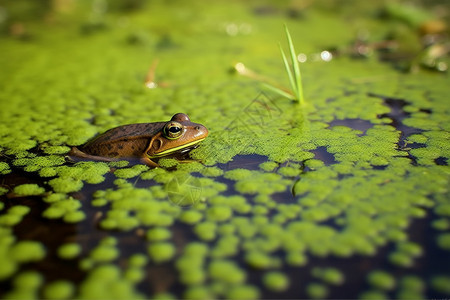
{"points": [[144, 141]]}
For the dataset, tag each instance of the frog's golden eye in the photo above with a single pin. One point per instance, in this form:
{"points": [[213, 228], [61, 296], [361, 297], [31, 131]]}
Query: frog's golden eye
{"points": [[173, 130]]}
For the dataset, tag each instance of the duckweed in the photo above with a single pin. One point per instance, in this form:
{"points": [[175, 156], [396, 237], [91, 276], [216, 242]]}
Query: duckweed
{"points": [[74, 216], [243, 292], [3, 191], [29, 189], [55, 197], [238, 174], [372, 295], [226, 271], [65, 185], [134, 275], [381, 280], [104, 254], [212, 172], [161, 252], [206, 230], [19, 210], [158, 234], [28, 280], [27, 251], [26, 285], [329, 275], [107, 281], [441, 284], [401, 259], [10, 219], [4, 168], [36, 163], [66, 208], [191, 216], [219, 213], [296, 259], [69, 250], [53, 213], [130, 172], [276, 281], [260, 260], [165, 296], [268, 166], [59, 290], [168, 162], [138, 260], [411, 287], [443, 240], [441, 224], [317, 291], [199, 293], [99, 202]]}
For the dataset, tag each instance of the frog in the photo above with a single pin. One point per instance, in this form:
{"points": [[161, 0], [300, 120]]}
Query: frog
{"points": [[144, 141]]}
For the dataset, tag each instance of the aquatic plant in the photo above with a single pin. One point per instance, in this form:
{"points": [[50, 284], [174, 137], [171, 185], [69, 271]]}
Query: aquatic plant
{"points": [[292, 69], [293, 72]]}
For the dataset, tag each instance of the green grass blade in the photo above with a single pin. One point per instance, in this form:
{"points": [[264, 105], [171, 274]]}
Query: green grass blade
{"points": [[288, 71], [279, 91], [295, 65]]}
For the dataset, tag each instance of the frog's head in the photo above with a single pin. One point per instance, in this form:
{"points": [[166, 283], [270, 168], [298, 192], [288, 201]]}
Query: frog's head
{"points": [[177, 135]]}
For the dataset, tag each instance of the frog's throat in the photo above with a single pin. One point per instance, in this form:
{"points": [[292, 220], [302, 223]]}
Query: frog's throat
{"points": [[172, 150]]}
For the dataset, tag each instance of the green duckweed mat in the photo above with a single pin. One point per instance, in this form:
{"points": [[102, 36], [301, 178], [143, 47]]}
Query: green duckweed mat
{"points": [[346, 196]]}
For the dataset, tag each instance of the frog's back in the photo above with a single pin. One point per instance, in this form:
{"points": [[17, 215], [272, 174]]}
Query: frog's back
{"points": [[123, 141]]}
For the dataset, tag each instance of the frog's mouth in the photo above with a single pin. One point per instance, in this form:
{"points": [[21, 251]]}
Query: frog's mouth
{"points": [[181, 149]]}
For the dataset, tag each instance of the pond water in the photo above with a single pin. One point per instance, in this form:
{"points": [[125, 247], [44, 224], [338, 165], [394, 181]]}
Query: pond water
{"points": [[344, 196]]}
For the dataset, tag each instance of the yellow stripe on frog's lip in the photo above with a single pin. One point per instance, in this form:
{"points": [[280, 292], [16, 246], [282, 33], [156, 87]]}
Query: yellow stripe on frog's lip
{"points": [[176, 149]]}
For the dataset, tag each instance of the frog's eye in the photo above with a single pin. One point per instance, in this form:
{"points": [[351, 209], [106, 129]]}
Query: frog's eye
{"points": [[173, 130]]}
